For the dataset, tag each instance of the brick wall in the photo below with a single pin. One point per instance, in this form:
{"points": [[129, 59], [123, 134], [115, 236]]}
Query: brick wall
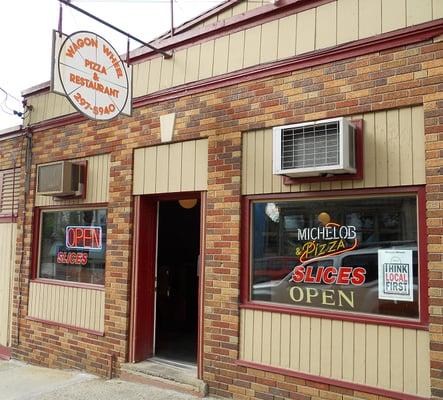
{"points": [[390, 79]]}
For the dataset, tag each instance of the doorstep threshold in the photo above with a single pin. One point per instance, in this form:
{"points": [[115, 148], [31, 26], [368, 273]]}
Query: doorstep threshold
{"points": [[189, 366], [182, 375]]}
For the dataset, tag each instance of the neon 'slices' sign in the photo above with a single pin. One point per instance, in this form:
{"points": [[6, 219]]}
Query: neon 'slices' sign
{"points": [[78, 241], [89, 72]]}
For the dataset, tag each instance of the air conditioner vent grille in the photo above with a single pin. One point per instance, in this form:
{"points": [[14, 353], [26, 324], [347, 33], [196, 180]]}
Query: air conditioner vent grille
{"points": [[311, 145]]}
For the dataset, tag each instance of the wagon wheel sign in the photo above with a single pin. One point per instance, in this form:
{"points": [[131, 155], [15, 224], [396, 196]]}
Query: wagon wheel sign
{"points": [[92, 76]]}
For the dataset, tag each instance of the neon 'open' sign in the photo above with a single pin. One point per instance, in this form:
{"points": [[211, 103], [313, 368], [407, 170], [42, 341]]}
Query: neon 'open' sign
{"points": [[84, 237]]}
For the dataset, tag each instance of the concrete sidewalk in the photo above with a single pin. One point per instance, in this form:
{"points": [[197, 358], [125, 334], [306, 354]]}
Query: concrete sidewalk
{"points": [[19, 381]]}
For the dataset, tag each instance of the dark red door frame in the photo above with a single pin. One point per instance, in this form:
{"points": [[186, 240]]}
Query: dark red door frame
{"points": [[142, 318], [141, 333]]}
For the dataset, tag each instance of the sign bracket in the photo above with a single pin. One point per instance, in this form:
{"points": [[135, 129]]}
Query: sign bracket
{"points": [[80, 10]]}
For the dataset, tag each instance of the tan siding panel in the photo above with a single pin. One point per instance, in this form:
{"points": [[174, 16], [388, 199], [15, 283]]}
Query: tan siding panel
{"points": [[397, 359], [154, 74], [252, 46], [380, 356], [175, 167], [393, 15], [162, 169], [325, 347], [423, 378], [201, 165], [305, 31], [437, 9], [294, 350], [188, 166], [221, 50], [8, 234], [180, 60], [347, 21], [206, 60], [50, 302], [166, 73], [249, 334], [258, 156], [192, 64], [337, 349], [286, 36], [359, 353], [275, 339], [381, 149], [140, 78], [410, 361], [257, 339], [371, 355], [266, 337], [348, 351], [236, 50], [393, 155], [315, 340], [384, 357], [225, 15], [139, 171], [393, 147], [285, 335], [418, 145], [418, 11], [171, 167], [97, 184], [369, 18], [268, 176], [326, 26], [406, 159], [269, 40], [242, 334], [239, 8], [305, 343]]}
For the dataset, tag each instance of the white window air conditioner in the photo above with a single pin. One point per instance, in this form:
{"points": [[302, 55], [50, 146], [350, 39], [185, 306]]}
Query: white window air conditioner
{"points": [[61, 179], [325, 147]]}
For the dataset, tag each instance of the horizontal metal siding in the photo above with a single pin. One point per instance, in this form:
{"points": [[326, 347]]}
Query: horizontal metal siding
{"points": [[168, 168], [318, 28], [394, 155], [78, 307], [8, 233], [381, 356], [97, 190]]}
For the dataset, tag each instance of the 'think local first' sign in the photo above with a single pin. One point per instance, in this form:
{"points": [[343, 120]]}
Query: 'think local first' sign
{"points": [[90, 73]]}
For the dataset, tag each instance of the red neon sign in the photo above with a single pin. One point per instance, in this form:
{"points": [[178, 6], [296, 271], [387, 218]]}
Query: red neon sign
{"points": [[84, 237]]}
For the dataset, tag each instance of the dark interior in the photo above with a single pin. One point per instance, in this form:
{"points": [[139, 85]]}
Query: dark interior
{"points": [[177, 282]]}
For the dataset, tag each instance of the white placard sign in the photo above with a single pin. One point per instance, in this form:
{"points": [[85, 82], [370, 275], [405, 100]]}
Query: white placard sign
{"points": [[395, 277], [90, 73]]}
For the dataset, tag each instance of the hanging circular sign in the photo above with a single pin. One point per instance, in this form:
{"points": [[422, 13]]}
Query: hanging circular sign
{"points": [[93, 76]]}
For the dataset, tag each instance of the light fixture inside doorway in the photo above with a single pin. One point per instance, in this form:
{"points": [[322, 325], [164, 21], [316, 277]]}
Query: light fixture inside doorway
{"points": [[188, 203]]}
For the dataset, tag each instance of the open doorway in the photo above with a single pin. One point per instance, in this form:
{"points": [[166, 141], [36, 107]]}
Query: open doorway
{"points": [[176, 312]]}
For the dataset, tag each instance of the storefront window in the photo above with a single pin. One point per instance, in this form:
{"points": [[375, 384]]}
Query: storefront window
{"points": [[73, 245], [353, 255]]}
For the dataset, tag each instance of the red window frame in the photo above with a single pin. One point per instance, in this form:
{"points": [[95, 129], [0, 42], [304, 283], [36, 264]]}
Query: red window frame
{"points": [[36, 231], [245, 288]]}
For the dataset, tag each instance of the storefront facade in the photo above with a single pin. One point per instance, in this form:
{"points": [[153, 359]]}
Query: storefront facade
{"points": [[185, 234]]}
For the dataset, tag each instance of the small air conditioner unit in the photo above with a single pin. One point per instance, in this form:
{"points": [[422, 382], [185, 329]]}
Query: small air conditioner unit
{"points": [[314, 148], [61, 179]]}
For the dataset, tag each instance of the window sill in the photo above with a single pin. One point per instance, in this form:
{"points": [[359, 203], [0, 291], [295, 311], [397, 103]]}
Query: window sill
{"points": [[342, 316], [66, 326], [68, 284]]}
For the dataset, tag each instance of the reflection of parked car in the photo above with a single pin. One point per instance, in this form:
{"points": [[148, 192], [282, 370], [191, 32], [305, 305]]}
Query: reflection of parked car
{"points": [[273, 268], [365, 295]]}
